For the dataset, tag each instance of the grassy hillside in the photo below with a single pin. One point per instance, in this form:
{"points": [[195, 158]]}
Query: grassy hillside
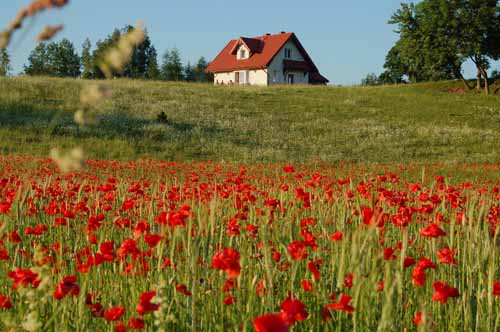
{"points": [[415, 123]]}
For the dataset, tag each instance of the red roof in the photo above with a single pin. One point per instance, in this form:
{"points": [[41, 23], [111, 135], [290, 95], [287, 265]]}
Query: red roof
{"points": [[263, 49]]}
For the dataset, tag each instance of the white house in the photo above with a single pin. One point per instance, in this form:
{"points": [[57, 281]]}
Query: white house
{"points": [[265, 60]]}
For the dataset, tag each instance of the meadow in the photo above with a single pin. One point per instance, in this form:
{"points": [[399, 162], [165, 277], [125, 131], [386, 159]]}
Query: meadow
{"points": [[204, 246], [250, 209], [414, 123]]}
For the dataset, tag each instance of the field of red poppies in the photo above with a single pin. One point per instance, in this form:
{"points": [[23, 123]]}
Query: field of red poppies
{"points": [[202, 246]]}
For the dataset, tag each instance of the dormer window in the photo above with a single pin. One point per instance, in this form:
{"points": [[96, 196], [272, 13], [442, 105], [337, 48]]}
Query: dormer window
{"points": [[288, 53], [243, 53]]}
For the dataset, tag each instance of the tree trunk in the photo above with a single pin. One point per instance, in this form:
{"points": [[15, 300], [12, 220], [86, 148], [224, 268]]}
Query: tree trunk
{"points": [[466, 83], [478, 84], [486, 82]]}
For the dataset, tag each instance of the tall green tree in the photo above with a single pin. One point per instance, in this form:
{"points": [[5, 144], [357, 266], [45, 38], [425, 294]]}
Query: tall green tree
{"points": [[63, 59], [38, 61], [189, 73], [54, 59], [87, 61], [153, 70], [102, 46], [199, 70], [171, 69], [437, 36], [4, 62]]}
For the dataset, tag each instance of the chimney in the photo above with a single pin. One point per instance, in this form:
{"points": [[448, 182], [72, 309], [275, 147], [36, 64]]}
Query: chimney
{"points": [[282, 32], [268, 34]]}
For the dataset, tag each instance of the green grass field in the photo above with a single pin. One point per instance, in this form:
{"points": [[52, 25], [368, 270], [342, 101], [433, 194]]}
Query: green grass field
{"points": [[415, 123]]}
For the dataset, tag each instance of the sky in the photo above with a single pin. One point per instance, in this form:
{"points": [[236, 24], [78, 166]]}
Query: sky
{"points": [[347, 39]]}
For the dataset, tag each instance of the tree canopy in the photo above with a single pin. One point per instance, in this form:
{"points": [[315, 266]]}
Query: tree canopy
{"points": [[437, 36]]}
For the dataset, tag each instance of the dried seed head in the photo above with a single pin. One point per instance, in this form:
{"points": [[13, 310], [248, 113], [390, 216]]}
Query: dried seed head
{"points": [[94, 94], [49, 32], [71, 161], [116, 58]]}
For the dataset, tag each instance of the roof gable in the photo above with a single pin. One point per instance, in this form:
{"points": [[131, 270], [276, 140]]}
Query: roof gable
{"points": [[263, 50]]}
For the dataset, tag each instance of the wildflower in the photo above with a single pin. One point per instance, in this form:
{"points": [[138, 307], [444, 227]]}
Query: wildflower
{"points": [[229, 300], [66, 286], [227, 260], [337, 236], [496, 288], [314, 268], [297, 250], [446, 256], [442, 292], [432, 231], [343, 304], [145, 305], [136, 323], [152, 239], [5, 302], [181, 288], [293, 310], [114, 313], [24, 277], [419, 275], [348, 281], [270, 323], [307, 285]]}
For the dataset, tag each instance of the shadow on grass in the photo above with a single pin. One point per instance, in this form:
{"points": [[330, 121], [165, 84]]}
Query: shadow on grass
{"points": [[113, 125]]}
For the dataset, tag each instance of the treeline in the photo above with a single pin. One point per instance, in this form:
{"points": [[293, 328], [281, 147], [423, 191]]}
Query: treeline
{"points": [[437, 36], [61, 59]]}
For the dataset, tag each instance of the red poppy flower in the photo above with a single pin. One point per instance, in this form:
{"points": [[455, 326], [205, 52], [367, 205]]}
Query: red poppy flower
{"points": [[136, 323], [418, 318], [229, 261], [24, 277], [293, 310], [152, 239], [66, 286], [496, 288], [145, 305], [114, 313], [314, 268], [432, 231], [419, 275], [408, 261], [5, 302], [348, 281], [337, 236], [181, 288], [446, 256], [297, 250], [442, 292], [270, 323], [229, 300], [343, 304], [120, 327], [307, 285], [288, 169]]}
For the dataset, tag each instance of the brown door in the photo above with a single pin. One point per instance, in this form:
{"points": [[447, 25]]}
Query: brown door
{"points": [[237, 77]]}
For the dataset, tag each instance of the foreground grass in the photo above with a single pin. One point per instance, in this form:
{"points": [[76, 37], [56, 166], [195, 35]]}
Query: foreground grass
{"points": [[359, 226], [415, 123]]}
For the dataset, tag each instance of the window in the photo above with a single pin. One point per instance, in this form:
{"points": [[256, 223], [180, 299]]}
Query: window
{"points": [[275, 76], [243, 54], [288, 53]]}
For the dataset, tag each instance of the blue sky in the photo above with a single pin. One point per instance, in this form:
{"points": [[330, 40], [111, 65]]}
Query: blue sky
{"points": [[346, 39]]}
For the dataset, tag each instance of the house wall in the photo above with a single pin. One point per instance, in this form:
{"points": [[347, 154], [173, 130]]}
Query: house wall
{"points": [[256, 77], [275, 70], [224, 78]]}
